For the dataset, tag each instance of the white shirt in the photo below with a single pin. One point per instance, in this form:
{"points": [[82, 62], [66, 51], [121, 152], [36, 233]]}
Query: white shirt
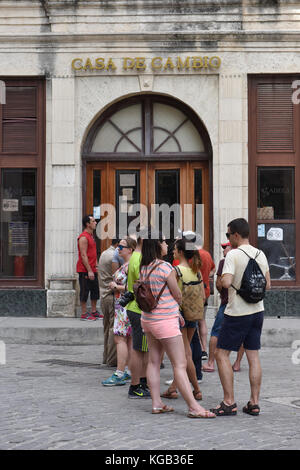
{"points": [[235, 263]]}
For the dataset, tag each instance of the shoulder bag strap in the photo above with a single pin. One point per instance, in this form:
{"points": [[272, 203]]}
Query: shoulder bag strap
{"points": [[152, 269], [179, 273]]}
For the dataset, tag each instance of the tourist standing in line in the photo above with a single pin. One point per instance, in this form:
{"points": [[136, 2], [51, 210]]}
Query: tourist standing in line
{"points": [[139, 355], [122, 327], [243, 321], [162, 329], [87, 269], [107, 304]]}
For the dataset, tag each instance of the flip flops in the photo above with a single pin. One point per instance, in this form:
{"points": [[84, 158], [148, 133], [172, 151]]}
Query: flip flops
{"points": [[206, 415], [164, 409], [207, 369], [249, 409]]}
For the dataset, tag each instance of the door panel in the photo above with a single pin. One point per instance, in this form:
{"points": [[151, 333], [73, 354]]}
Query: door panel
{"points": [[149, 184]]}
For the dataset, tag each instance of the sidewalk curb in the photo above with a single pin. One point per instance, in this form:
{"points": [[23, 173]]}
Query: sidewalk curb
{"points": [[71, 331]]}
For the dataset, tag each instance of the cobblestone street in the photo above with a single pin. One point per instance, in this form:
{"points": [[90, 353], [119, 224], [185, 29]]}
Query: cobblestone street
{"points": [[52, 398]]}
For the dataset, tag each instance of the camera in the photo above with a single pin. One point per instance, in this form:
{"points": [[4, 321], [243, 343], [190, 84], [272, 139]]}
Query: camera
{"points": [[126, 298]]}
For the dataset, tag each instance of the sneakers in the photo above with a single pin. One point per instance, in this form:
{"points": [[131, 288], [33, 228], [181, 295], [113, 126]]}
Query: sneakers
{"points": [[126, 376], [113, 381], [138, 392], [87, 316], [97, 315], [204, 356]]}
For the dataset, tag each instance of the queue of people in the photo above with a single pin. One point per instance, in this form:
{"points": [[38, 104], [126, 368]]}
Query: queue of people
{"points": [[136, 339]]}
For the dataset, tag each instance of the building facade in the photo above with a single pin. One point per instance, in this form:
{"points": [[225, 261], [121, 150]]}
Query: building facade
{"points": [[187, 102]]}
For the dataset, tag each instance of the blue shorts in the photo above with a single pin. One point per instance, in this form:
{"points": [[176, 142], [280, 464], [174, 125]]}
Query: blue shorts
{"points": [[245, 330], [188, 324], [218, 321]]}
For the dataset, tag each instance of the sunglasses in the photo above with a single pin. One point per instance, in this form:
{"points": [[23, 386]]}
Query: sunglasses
{"points": [[122, 246], [228, 235]]}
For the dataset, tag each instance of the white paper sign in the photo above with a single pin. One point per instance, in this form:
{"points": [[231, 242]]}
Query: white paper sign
{"points": [[96, 212], [127, 179], [128, 192], [275, 234], [261, 232], [10, 205]]}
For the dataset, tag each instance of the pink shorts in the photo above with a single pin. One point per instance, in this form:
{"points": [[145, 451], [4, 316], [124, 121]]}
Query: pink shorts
{"points": [[163, 328]]}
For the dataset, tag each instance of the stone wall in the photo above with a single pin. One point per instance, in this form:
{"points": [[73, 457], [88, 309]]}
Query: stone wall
{"points": [[41, 38]]}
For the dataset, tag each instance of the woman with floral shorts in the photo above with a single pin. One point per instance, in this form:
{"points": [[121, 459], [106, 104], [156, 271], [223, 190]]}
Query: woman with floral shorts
{"points": [[122, 327]]}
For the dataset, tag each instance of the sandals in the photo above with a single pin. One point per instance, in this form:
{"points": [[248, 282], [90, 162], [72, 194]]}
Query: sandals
{"points": [[224, 410], [206, 415], [171, 394], [197, 395], [164, 409], [249, 409]]}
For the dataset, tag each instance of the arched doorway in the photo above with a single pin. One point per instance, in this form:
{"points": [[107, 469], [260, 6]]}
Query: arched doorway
{"points": [[152, 149]]}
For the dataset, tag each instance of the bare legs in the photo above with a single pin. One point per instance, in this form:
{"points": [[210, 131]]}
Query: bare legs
{"points": [[211, 357], [255, 375], [123, 351], [237, 364], [174, 348], [226, 375], [203, 334], [187, 335], [138, 365]]}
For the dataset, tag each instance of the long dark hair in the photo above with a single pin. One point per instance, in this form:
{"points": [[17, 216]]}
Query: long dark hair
{"points": [[151, 248], [190, 253]]}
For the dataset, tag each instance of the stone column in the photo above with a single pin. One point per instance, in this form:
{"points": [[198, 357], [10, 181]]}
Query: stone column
{"points": [[233, 152], [61, 198]]}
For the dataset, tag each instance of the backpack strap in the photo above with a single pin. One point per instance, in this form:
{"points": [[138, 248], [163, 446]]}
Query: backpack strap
{"points": [[151, 270], [148, 275], [179, 273], [257, 254]]}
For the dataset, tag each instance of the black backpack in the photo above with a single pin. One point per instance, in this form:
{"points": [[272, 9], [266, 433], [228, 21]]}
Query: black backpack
{"points": [[253, 285]]}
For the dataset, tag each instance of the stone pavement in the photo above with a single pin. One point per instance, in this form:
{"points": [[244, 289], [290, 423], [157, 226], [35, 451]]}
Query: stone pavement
{"points": [[51, 397]]}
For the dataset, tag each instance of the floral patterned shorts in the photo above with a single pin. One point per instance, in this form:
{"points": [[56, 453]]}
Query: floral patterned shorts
{"points": [[122, 325]]}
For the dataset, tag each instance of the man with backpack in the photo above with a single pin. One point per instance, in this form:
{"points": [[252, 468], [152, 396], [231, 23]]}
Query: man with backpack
{"points": [[246, 276]]}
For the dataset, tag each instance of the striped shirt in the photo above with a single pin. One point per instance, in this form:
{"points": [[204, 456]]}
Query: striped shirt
{"points": [[167, 305]]}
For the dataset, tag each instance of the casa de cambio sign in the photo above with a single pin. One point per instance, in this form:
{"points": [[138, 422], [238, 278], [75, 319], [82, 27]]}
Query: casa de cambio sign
{"points": [[140, 64]]}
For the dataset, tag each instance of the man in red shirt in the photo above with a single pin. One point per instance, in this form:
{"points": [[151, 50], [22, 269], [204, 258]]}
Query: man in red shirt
{"points": [[87, 268]]}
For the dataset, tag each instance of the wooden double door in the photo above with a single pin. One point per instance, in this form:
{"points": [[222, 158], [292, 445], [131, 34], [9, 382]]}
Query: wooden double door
{"points": [[125, 184]]}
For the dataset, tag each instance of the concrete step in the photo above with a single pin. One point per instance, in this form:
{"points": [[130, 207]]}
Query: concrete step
{"points": [[277, 332]]}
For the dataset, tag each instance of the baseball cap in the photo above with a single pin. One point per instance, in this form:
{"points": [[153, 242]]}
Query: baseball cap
{"points": [[223, 245]]}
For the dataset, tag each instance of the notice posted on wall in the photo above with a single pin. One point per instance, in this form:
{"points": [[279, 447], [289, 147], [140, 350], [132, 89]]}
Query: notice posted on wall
{"points": [[10, 205], [18, 239], [275, 234], [261, 231]]}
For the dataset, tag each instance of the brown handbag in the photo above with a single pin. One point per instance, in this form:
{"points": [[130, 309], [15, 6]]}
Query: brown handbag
{"points": [[143, 293]]}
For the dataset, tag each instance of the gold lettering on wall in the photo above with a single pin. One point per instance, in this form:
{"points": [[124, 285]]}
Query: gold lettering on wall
{"points": [[193, 63]]}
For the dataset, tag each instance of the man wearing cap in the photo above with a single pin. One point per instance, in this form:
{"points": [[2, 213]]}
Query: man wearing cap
{"points": [[210, 366]]}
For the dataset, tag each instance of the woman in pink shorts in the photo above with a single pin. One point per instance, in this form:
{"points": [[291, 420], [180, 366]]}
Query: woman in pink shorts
{"points": [[161, 326]]}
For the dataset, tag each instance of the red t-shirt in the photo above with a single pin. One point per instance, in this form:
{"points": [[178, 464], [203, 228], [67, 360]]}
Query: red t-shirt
{"points": [[207, 266], [91, 254]]}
